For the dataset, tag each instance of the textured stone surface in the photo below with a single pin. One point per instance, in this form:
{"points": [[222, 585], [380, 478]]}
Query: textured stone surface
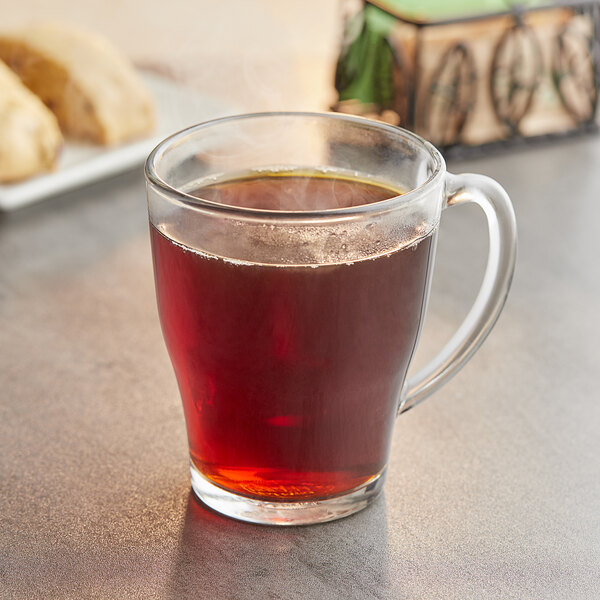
{"points": [[493, 489]]}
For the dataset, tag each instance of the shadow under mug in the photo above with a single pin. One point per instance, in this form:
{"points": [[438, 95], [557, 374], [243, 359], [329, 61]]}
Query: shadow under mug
{"points": [[291, 329]]}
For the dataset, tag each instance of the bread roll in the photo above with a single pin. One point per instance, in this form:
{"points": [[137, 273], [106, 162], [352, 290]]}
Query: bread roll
{"points": [[30, 139], [94, 92]]}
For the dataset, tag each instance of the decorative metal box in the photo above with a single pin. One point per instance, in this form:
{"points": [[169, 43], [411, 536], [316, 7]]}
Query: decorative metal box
{"points": [[477, 81]]}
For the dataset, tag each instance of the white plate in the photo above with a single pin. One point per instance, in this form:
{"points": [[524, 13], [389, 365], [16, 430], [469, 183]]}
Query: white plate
{"points": [[176, 108]]}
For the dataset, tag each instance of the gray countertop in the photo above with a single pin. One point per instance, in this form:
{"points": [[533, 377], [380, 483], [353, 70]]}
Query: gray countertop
{"points": [[493, 490]]}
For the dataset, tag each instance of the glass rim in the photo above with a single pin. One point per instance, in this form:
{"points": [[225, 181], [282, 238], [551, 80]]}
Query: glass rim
{"points": [[195, 202]]}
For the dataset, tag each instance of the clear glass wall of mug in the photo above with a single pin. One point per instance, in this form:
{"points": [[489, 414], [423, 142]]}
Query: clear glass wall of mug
{"points": [[292, 257]]}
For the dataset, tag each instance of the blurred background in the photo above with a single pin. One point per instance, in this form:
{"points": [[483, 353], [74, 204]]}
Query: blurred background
{"points": [[258, 55], [459, 82]]}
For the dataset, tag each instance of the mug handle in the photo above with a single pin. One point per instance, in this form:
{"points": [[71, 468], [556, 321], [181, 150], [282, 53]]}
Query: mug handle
{"points": [[502, 230]]}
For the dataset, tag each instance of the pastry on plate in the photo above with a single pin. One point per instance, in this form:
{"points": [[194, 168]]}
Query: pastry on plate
{"points": [[30, 139], [92, 89]]}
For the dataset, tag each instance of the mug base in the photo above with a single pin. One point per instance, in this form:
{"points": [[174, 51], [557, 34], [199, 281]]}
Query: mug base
{"points": [[267, 512]]}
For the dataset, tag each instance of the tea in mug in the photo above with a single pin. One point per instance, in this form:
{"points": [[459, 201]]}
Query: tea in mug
{"points": [[290, 374]]}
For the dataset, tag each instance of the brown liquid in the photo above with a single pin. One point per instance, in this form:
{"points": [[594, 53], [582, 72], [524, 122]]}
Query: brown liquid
{"points": [[290, 375], [281, 191]]}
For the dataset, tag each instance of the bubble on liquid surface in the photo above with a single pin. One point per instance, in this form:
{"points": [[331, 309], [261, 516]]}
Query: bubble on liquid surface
{"points": [[321, 240]]}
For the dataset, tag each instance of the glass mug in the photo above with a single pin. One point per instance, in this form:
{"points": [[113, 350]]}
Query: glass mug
{"points": [[292, 259]]}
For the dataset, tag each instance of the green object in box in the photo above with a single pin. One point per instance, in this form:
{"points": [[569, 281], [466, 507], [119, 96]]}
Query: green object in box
{"points": [[364, 70]]}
